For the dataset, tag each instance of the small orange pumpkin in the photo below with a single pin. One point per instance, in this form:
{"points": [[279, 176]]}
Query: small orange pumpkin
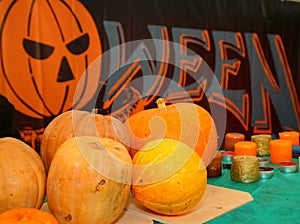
{"points": [[187, 122], [169, 177], [89, 180], [79, 123], [27, 216], [22, 175]]}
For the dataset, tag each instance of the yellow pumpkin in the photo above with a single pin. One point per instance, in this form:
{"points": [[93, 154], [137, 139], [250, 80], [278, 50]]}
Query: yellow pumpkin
{"points": [[168, 177], [22, 175], [186, 122], [79, 123], [89, 180]]}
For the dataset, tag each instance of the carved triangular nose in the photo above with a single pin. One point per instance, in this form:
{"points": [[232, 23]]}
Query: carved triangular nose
{"points": [[65, 73]]}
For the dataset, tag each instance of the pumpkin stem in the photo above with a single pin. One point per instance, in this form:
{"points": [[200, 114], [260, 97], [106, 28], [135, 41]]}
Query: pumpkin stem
{"points": [[161, 104], [95, 111], [22, 218]]}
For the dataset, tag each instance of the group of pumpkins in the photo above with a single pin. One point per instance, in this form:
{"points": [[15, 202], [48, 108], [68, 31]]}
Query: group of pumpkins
{"points": [[89, 164]]}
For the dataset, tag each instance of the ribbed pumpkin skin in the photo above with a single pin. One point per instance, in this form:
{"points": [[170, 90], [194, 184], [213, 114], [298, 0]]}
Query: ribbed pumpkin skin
{"points": [[27, 216], [22, 175], [186, 122], [79, 123], [77, 193]]}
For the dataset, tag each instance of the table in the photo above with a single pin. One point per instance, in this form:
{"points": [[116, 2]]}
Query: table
{"points": [[276, 200]]}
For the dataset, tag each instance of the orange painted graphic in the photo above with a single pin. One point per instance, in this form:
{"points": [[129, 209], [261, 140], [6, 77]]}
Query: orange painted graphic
{"points": [[240, 113], [233, 67], [52, 60], [275, 86], [194, 65], [159, 71], [289, 79], [267, 114], [45, 48]]}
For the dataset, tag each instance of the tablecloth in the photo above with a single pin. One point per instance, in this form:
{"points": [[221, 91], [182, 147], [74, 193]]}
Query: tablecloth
{"points": [[276, 200]]}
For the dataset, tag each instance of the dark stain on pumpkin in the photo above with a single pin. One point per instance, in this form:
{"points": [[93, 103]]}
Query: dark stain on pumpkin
{"points": [[99, 185], [68, 218], [186, 205], [117, 148], [123, 174], [22, 218], [97, 145]]}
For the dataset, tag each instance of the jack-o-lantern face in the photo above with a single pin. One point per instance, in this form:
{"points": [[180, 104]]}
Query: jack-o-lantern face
{"points": [[46, 47]]}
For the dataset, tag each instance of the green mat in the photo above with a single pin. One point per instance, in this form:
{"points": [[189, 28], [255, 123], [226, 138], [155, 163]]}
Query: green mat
{"points": [[276, 200]]}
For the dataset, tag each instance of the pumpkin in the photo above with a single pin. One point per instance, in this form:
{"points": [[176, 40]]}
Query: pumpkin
{"points": [[89, 180], [22, 175], [50, 59], [27, 216], [79, 123], [186, 122], [169, 177]]}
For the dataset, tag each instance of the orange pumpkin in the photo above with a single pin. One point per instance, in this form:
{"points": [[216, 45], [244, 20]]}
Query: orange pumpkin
{"points": [[187, 122], [50, 59], [22, 175], [168, 177], [27, 216], [89, 180], [79, 123]]}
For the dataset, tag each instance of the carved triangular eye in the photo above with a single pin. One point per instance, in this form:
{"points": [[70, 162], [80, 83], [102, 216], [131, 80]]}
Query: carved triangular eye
{"points": [[79, 45], [36, 49]]}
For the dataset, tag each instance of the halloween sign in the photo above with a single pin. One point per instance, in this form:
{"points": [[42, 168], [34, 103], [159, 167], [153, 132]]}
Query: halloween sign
{"points": [[57, 55]]}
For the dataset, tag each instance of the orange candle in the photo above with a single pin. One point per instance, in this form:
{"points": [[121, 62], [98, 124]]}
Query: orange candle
{"points": [[280, 150], [231, 139], [245, 148], [290, 135]]}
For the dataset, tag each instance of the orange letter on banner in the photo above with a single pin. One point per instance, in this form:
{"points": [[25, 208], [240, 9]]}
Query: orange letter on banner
{"points": [[266, 90], [189, 62], [124, 69], [227, 70]]}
